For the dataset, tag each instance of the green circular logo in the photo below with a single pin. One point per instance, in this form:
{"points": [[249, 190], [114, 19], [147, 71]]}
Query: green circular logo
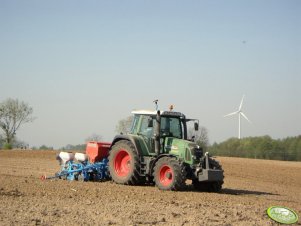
{"points": [[282, 215]]}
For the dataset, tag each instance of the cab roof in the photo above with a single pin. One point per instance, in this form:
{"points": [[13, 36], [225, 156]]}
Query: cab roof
{"points": [[145, 112], [152, 112]]}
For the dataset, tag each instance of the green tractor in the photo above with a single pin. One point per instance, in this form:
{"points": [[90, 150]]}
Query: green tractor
{"points": [[158, 151]]}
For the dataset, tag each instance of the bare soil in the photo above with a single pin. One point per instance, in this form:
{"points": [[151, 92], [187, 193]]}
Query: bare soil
{"points": [[251, 186]]}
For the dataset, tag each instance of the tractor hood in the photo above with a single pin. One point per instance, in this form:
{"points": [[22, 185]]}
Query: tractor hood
{"points": [[184, 149]]}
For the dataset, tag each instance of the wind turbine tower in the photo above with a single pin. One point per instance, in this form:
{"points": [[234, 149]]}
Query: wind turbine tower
{"points": [[239, 113]]}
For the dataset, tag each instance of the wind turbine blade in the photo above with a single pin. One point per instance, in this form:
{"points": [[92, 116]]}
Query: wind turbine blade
{"points": [[242, 100], [245, 117], [233, 113]]}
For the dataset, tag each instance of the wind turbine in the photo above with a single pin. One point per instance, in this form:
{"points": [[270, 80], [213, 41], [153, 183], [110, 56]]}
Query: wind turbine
{"points": [[240, 113]]}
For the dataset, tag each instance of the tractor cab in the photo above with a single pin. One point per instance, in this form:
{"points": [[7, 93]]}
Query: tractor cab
{"points": [[172, 125]]}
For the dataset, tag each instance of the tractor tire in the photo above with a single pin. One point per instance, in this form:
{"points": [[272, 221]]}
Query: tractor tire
{"points": [[169, 175], [215, 186], [124, 165]]}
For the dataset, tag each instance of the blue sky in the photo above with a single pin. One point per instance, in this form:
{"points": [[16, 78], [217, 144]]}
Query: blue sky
{"points": [[84, 65]]}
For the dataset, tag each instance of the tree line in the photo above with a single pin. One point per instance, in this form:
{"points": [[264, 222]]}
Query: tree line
{"points": [[263, 147], [14, 113]]}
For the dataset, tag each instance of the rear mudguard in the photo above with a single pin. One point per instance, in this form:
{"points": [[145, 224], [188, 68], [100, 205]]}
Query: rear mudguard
{"points": [[138, 143]]}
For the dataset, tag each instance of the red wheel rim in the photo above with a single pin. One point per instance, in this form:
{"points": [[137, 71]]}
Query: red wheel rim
{"points": [[122, 163], [165, 175]]}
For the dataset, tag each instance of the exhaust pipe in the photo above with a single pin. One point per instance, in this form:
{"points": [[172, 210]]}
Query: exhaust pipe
{"points": [[157, 133]]}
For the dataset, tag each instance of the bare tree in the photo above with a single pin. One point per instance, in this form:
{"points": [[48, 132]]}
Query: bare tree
{"points": [[124, 125], [13, 113], [200, 136], [94, 137]]}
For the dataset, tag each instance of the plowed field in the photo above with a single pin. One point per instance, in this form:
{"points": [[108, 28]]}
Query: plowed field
{"points": [[251, 186]]}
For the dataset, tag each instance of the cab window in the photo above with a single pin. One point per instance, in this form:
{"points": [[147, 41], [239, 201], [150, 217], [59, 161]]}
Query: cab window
{"points": [[146, 127], [135, 124], [171, 127]]}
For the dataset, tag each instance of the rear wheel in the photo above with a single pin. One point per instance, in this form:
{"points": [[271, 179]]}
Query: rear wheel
{"points": [[210, 186], [169, 175], [124, 165]]}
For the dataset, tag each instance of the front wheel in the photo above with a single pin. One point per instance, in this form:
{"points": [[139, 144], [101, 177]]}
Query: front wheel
{"points": [[169, 175]]}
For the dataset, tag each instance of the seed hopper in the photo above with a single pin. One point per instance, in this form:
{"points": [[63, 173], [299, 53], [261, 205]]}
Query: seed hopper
{"points": [[92, 165]]}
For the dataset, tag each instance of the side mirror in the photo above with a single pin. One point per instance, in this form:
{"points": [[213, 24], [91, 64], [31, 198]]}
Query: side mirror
{"points": [[196, 126]]}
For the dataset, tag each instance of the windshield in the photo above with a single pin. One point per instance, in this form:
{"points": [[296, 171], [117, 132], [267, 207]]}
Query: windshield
{"points": [[171, 127]]}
